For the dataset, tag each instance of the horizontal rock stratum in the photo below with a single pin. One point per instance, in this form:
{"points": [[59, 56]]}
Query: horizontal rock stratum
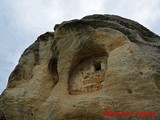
{"points": [[86, 66]]}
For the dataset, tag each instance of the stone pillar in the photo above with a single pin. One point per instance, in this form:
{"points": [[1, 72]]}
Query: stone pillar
{"points": [[92, 68], [103, 66]]}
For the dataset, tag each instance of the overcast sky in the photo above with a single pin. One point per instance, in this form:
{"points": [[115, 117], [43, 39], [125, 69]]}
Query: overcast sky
{"points": [[22, 21]]}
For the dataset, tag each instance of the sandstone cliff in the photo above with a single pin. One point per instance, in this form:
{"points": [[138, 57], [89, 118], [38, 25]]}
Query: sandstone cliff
{"points": [[86, 66]]}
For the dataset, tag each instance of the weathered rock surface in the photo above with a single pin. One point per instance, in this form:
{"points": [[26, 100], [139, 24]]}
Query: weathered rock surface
{"points": [[101, 62]]}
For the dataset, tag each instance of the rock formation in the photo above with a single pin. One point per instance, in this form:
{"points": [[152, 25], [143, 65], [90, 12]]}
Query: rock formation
{"points": [[86, 66]]}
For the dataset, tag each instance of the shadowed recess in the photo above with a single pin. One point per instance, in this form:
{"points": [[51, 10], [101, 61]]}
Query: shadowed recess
{"points": [[52, 68]]}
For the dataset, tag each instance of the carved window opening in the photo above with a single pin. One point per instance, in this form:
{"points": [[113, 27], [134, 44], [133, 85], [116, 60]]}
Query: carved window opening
{"points": [[97, 67]]}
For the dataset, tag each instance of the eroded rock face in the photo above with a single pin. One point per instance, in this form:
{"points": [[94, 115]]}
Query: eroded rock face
{"points": [[84, 67]]}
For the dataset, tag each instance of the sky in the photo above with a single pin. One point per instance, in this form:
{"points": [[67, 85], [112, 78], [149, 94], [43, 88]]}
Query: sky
{"points": [[22, 21]]}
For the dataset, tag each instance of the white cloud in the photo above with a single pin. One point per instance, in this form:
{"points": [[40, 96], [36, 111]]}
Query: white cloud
{"points": [[39, 14], [145, 12], [34, 15]]}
